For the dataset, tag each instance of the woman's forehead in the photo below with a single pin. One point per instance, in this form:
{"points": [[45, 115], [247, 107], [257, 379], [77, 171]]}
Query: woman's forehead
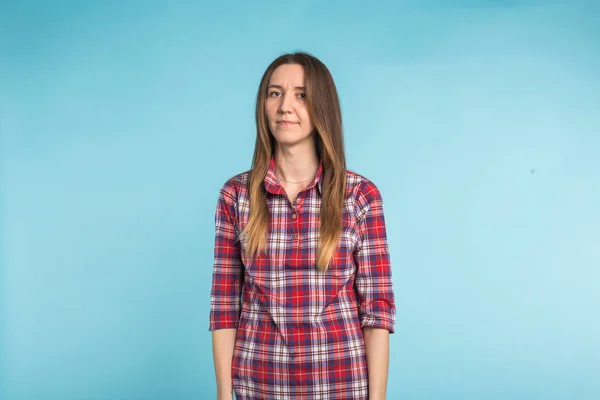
{"points": [[288, 75]]}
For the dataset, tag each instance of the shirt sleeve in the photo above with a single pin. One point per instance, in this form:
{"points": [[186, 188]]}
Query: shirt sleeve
{"points": [[373, 280], [227, 278]]}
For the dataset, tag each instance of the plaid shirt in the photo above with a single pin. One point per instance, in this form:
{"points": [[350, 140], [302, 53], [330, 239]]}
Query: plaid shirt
{"points": [[299, 330]]}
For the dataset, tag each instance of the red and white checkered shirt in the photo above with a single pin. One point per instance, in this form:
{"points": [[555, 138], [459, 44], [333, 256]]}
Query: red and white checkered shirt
{"points": [[299, 330]]}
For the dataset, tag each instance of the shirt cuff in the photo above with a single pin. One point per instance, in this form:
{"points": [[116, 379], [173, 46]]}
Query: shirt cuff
{"points": [[378, 314], [222, 323]]}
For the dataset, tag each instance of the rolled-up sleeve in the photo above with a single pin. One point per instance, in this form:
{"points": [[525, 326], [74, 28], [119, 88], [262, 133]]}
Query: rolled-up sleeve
{"points": [[373, 280], [227, 275]]}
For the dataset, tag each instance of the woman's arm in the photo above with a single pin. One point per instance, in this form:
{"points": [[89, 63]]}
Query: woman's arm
{"points": [[225, 297], [377, 347], [223, 341], [373, 284]]}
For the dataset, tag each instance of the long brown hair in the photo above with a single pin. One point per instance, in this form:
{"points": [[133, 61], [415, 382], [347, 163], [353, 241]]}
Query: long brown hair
{"points": [[325, 114]]}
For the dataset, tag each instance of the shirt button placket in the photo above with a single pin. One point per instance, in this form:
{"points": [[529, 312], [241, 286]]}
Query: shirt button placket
{"points": [[296, 222]]}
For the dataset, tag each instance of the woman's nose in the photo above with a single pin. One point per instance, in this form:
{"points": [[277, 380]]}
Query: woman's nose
{"points": [[286, 104]]}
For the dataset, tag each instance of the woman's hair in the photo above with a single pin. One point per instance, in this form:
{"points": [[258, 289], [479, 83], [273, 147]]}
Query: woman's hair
{"points": [[325, 114]]}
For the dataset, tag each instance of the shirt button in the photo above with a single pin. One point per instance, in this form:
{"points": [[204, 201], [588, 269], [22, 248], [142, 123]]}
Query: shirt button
{"points": [[298, 201], [295, 236], [294, 216]]}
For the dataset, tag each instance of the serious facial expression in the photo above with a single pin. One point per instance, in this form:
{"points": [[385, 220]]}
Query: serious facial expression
{"points": [[286, 108]]}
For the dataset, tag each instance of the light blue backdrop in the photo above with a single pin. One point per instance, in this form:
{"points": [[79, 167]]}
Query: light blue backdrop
{"points": [[119, 122]]}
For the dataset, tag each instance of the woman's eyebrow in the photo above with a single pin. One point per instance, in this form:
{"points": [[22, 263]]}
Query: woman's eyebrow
{"points": [[280, 87]]}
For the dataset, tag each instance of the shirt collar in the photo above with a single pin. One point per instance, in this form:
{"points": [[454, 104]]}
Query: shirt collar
{"points": [[272, 183]]}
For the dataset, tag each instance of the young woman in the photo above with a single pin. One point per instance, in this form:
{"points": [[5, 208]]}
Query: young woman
{"points": [[301, 302]]}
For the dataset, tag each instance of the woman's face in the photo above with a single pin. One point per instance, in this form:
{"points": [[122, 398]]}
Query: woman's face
{"points": [[286, 105]]}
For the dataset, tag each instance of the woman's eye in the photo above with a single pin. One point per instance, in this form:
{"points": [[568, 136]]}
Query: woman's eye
{"points": [[277, 94]]}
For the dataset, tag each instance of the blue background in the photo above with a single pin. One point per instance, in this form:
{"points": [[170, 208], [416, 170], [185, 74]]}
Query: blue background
{"points": [[478, 120]]}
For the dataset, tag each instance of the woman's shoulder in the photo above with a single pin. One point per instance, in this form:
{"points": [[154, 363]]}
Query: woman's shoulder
{"points": [[360, 186], [235, 184], [364, 192]]}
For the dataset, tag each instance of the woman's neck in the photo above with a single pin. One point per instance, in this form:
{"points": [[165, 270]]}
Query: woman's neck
{"points": [[295, 166]]}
